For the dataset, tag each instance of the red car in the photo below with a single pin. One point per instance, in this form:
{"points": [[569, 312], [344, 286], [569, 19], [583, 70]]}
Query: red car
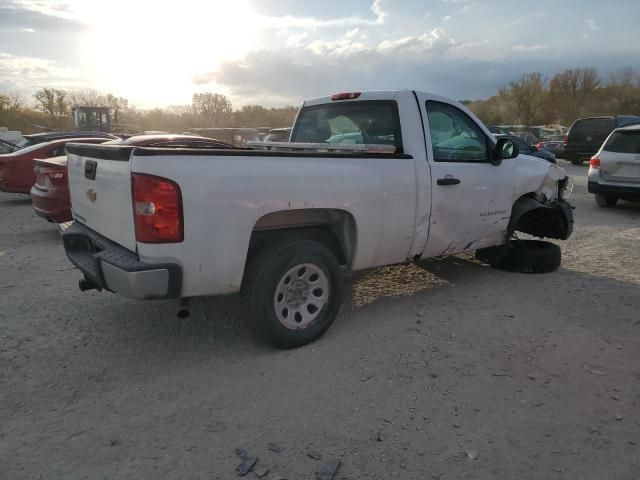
{"points": [[16, 168], [50, 192]]}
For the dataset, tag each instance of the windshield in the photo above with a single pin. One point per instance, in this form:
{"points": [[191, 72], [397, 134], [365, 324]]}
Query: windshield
{"points": [[27, 149], [354, 123]]}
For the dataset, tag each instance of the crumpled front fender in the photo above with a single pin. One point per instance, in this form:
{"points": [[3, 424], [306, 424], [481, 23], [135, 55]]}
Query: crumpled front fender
{"points": [[552, 219]]}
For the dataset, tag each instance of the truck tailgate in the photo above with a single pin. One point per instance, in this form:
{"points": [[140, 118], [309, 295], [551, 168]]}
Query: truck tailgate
{"points": [[100, 188]]}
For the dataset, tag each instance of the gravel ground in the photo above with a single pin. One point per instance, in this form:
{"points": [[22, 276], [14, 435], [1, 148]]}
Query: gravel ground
{"points": [[443, 370]]}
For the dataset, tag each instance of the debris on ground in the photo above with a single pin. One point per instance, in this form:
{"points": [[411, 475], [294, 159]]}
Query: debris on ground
{"points": [[246, 466], [261, 470], [313, 454], [273, 447], [247, 463], [328, 470], [472, 455]]}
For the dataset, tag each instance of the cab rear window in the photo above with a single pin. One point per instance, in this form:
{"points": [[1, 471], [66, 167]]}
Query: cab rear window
{"points": [[623, 142], [364, 122]]}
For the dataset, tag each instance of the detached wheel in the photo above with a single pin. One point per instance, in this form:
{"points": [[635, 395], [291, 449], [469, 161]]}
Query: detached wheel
{"points": [[523, 256], [292, 292], [605, 202]]}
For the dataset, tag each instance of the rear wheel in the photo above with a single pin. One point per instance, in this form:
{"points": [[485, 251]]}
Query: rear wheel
{"points": [[524, 256], [605, 201], [292, 292]]}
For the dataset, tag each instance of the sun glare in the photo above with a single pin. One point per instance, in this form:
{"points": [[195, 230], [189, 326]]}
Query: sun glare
{"points": [[150, 51]]}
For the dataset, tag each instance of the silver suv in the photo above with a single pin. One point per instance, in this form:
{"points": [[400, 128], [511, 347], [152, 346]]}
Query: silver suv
{"points": [[614, 172]]}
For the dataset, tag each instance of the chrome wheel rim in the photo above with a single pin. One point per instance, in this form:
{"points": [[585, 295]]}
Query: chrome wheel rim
{"points": [[301, 295]]}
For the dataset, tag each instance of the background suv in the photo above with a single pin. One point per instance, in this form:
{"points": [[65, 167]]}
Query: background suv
{"points": [[614, 172], [587, 134]]}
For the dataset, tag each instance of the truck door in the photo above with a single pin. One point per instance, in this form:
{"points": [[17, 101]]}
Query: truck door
{"points": [[471, 197]]}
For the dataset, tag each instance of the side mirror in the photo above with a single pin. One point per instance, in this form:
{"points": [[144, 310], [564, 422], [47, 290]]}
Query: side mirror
{"points": [[505, 149]]}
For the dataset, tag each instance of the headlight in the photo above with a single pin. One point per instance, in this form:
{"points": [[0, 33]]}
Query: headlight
{"points": [[565, 188]]}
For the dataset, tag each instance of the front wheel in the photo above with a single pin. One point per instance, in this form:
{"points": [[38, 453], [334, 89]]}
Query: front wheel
{"points": [[605, 202], [524, 256], [292, 292]]}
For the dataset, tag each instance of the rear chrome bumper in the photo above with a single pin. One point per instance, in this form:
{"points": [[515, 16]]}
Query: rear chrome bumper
{"points": [[107, 265], [611, 190]]}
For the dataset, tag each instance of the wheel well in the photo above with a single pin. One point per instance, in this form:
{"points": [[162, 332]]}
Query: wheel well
{"points": [[543, 220], [335, 229]]}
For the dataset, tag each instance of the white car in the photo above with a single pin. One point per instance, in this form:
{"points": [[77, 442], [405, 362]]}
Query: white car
{"points": [[614, 172], [420, 177]]}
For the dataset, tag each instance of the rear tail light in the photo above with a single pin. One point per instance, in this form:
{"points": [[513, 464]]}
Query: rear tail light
{"points": [[566, 140], [540, 146], [346, 96], [157, 208], [594, 162], [56, 175]]}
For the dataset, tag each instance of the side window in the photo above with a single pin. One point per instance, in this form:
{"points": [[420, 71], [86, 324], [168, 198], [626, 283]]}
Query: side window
{"points": [[454, 136]]}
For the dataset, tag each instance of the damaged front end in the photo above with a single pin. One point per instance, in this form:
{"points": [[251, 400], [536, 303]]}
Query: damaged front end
{"points": [[547, 214]]}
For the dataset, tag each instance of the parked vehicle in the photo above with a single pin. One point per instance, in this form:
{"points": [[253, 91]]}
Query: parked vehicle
{"points": [[171, 141], [36, 138], [235, 136], [614, 172], [50, 192], [553, 144], [586, 135], [528, 149], [278, 135], [17, 168], [427, 180], [11, 136], [498, 130], [7, 147]]}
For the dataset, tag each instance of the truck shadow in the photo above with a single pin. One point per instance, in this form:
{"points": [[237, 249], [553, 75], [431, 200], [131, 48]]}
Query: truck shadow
{"points": [[218, 322], [14, 199]]}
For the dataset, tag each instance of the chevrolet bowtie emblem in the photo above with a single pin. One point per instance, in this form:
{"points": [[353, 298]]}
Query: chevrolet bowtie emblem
{"points": [[91, 195]]}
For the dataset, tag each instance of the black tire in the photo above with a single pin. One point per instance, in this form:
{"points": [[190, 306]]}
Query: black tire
{"points": [[523, 256], [605, 202], [576, 161], [263, 275]]}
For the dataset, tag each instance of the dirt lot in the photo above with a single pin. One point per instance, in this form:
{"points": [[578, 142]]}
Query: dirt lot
{"points": [[446, 370]]}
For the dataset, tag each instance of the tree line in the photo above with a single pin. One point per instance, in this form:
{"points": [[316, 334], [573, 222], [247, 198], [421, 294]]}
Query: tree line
{"points": [[51, 109], [534, 99]]}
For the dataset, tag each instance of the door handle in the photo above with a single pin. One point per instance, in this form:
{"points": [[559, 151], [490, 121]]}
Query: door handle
{"points": [[448, 181]]}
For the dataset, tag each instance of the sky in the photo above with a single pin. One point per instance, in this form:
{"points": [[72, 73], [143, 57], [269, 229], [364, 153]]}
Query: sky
{"points": [[278, 52]]}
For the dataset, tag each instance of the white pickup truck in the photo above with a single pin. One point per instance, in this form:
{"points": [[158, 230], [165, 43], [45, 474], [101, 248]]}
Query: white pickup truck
{"points": [[369, 179]]}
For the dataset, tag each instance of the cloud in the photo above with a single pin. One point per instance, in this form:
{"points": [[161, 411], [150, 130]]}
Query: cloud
{"points": [[29, 33], [13, 17], [529, 48], [28, 74], [435, 40], [324, 66], [591, 24], [289, 21]]}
